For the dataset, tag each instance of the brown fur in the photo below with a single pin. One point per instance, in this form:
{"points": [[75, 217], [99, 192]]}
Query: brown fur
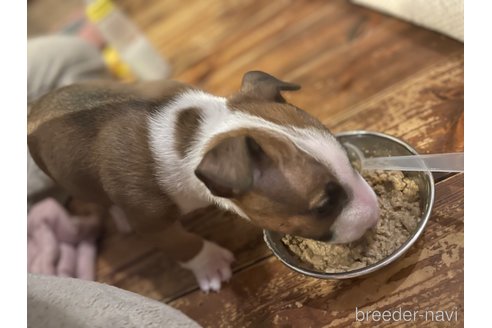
{"points": [[97, 95], [92, 139], [187, 124], [279, 113]]}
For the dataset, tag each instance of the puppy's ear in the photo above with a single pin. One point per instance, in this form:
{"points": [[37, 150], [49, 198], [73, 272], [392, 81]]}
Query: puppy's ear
{"points": [[227, 169], [261, 85]]}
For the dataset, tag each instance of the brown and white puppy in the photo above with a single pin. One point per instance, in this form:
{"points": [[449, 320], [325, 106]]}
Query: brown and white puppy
{"points": [[156, 151]]}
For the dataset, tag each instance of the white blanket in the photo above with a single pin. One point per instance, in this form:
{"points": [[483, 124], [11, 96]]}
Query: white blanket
{"points": [[54, 302], [444, 16]]}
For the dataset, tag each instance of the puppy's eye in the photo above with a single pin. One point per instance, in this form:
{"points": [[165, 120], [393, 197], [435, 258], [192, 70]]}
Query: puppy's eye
{"points": [[324, 208], [332, 203]]}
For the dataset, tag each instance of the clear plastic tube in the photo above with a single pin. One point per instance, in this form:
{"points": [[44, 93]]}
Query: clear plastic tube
{"points": [[446, 162]]}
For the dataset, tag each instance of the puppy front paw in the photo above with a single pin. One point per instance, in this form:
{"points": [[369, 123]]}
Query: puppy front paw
{"points": [[211, 266]]}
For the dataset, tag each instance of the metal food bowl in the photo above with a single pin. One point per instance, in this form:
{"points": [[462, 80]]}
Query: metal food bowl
{"points": [[373, 144]]}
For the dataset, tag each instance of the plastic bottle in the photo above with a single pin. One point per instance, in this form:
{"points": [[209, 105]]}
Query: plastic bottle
{"points": [[130, 43]]}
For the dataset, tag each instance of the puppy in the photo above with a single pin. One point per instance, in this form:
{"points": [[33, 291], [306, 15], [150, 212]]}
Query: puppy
{"points": [[157, 151]]}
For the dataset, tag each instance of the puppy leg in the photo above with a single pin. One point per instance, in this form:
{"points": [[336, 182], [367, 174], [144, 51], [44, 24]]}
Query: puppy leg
{"points": [[210, 263]]}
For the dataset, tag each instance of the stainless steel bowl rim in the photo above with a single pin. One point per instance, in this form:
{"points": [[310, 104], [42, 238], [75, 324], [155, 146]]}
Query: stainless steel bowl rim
{"points": [[384, 262]]}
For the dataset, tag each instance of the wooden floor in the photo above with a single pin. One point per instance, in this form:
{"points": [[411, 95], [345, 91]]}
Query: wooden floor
{"points": [[359, 70]]}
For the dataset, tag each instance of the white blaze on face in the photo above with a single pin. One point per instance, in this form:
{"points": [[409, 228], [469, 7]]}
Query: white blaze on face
{"points": [[362, 210], [360, 214]]}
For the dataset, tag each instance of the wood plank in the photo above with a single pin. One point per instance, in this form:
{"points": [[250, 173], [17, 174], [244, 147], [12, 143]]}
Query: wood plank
{"points": [[222, 25], [336, 67], [426, 110], [339, 52], [428, 278]]}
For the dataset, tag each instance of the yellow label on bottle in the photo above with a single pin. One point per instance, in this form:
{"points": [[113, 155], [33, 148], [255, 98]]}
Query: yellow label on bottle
{"points": [[116, 65], [99, 9]]}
